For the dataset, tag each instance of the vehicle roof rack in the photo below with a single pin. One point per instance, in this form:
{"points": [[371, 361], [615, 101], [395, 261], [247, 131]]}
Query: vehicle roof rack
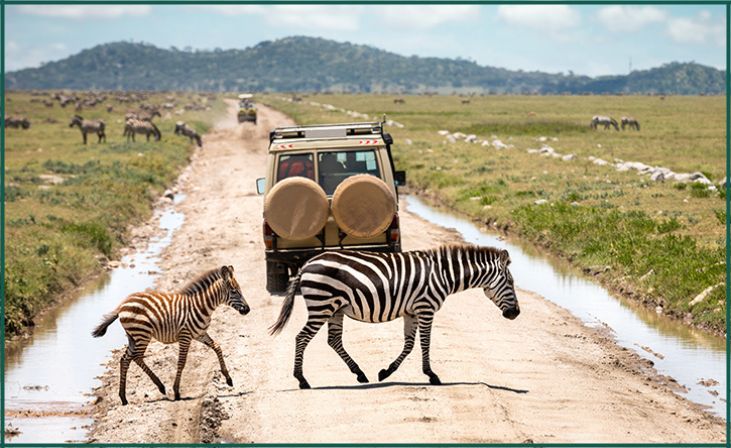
{"points": [[327, 130]]}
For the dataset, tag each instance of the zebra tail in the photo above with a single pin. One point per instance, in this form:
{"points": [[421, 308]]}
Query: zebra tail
{"points": [[287, 306], [101, 329]]}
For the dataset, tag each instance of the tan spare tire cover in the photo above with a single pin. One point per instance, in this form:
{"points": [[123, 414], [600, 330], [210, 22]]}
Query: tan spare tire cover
{"points": [[363, 206], [296, 208]]}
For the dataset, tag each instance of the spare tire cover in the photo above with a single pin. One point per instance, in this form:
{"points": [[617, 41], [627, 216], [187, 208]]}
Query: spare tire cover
{"points": [[363, 206], [296, 208]]}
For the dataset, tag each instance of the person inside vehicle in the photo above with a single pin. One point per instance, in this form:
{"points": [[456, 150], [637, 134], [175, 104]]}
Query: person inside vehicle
{"points": [[296, 165]]}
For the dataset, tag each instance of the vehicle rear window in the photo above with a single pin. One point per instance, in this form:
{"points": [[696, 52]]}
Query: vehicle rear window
{"points": [[294, 165], [336, 166]]}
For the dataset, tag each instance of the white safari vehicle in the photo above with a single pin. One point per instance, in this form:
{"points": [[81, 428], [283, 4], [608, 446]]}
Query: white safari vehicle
{"points": [[247, 108], [327, 187]]}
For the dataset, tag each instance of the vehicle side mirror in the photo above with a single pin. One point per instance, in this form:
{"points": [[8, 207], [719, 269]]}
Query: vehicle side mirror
{"points": [[399, 178], [261, 184]]}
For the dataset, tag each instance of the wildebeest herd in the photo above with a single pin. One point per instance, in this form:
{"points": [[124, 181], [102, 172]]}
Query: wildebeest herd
{"points": [[136, 121]]}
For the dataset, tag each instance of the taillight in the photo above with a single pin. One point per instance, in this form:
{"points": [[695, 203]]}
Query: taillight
{"points": [[393, 230], [269, 236]]}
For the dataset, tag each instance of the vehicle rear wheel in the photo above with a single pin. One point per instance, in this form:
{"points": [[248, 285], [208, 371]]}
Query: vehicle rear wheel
{"points": [[277, 277]]}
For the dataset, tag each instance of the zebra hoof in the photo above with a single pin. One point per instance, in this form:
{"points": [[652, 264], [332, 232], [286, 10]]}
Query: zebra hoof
{"points": [[304, 385], [124, 402], [383, 374], [434, 380], [162, 389], [230, 382], [362, 378], [177, 396]]}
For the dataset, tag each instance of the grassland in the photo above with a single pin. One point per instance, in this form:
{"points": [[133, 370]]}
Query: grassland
{"points": [[68, 206], [659, 243]]}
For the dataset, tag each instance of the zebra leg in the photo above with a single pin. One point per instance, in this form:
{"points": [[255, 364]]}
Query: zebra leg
{"points": [[335, 340], [303, 338], [409, 335], [123, 367], [184, 343], [83, 134], [206, 339], [140, 360], [425, 321]]}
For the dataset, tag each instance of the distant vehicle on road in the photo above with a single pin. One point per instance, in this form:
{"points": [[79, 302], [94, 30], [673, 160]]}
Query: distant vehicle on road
{"points": [[247, 108]]}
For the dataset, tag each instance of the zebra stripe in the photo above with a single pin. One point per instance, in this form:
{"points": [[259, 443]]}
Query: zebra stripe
{"points": [[174, 317], [377, 287]]}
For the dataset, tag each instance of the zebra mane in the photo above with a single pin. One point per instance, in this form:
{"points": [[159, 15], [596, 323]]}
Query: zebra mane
{"points": [[202, 282], [470, 248]]}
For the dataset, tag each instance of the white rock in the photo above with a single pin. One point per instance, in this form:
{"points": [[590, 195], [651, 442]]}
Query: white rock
{"points": [[443, 132], [459, 135], [533, 151], [498, 144], [568, 157], [542, 139], [600, 162], [657, 176], [472, 138], [485, 143], [540, 201], [451, 139]]}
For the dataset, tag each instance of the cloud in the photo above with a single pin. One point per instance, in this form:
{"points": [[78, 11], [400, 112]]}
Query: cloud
{"points": [[427, 16], [697, 30], [21, 56], [629, 18], [311, 17], [85, 11], [551, 18]]}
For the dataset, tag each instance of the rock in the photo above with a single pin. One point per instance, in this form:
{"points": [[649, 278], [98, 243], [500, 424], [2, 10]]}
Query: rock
{"points": [[702, 296], [657, 176], [451, 139], [568, 157], [575, 204], [113, 264], [472, 138], [443, 132], [658, 310], [542, 139], [459, 135], [540, 201], [498, 144], [169, 194], [485, 143], [600, 162]]}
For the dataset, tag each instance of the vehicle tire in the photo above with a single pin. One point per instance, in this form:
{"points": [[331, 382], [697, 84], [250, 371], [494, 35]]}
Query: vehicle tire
{"points": [[363, 206], [277, 277], [296, 208]]}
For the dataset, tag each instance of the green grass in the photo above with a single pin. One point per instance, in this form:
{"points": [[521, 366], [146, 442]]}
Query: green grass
{"points": [[69, 204], [618, 219]]}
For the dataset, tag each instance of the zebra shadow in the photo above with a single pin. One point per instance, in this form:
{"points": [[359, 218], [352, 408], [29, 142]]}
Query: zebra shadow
{"points": [[203, 395], [407, 384]]}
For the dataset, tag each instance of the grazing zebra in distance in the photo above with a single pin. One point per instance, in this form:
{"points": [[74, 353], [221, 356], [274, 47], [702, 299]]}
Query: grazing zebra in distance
{"points": [[142, 115], [631, 122], [183, 129], [17, 122], [134, 126], [174, 317], [89, 126], [380, 287], [597, 120]]}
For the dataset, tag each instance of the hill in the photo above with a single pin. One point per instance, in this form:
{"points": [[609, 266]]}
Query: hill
{"points": [[314, 64]]}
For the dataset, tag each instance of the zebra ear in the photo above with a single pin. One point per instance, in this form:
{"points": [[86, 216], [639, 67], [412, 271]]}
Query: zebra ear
{"points": [[231, 268], [505, 258], [225, 272]]}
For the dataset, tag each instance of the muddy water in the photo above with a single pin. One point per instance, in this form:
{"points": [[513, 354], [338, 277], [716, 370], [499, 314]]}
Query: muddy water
{"points": [[677, 351], [49, 376]]}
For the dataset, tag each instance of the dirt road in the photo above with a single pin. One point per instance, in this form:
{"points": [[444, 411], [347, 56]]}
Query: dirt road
{"points": [[543, 377]]}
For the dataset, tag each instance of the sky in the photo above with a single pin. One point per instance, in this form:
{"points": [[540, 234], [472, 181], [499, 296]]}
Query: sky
{"points": [[585, 39]]}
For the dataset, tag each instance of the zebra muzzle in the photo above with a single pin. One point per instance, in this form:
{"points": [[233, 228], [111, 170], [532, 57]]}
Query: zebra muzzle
{"points": [[511, 313]]}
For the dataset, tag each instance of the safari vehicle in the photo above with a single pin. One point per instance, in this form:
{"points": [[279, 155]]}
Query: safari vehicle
{"points": [[327, 187], [247, 108]]}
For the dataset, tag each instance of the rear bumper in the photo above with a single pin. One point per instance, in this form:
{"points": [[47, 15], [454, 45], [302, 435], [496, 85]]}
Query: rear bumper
{"points": [[295, 258]]}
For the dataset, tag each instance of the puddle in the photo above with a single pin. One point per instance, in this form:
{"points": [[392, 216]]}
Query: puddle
{"points": [[687, 355], [53, 372]]}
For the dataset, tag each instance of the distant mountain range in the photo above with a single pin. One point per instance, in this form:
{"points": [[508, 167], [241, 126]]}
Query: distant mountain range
{"points": [[314, 64]]}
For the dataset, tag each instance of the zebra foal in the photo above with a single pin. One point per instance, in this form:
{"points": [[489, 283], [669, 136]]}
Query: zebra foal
{"points": [[380, 287], [173, 317]]}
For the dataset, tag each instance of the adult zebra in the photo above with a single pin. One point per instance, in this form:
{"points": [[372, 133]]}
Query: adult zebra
{"points": [[603, 120], [178, 317], [380, 287]]}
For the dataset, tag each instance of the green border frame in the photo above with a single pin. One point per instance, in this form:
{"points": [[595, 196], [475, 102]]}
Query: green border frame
{"points": [[381, 2]]}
